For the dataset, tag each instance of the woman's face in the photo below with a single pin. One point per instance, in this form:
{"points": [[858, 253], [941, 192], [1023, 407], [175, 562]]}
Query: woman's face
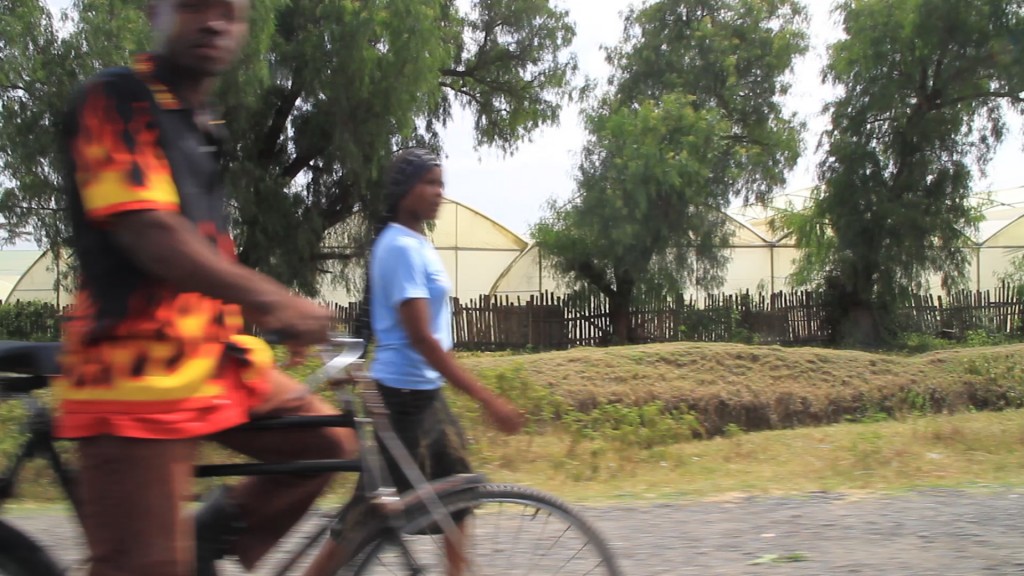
{"points": [[424, 200]]}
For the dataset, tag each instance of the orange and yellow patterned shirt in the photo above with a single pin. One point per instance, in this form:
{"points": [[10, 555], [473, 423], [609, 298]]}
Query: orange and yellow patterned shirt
{"points": [[141, 359]]}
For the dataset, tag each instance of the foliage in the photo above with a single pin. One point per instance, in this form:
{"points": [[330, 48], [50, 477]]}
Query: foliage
{"points": [[541, 406], [690, 120], [324, 94], [647, 426], [12, 418], [630, 413], [919, 343], [697, 323], [30, 321], [1013, 275], [641, 427], [924, 89]]}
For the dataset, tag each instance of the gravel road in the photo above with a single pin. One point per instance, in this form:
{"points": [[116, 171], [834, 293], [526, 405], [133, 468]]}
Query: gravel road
{"points": [[940, 532]]}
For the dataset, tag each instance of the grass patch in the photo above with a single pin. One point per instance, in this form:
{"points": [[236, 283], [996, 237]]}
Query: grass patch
{"points": [[700, 420], [780, 558], [966, 450], [715, 388]]}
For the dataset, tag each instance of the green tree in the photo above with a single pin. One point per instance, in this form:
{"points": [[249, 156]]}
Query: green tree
{"points": [[924, 89], [325, 93], [690, 120]]}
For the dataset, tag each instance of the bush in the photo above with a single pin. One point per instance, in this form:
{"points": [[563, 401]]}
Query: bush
{"points": [[917, 343], [31, 321], [718, 324]]}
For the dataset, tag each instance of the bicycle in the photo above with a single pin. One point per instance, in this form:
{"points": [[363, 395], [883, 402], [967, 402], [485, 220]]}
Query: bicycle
{"points": [[396, 526]]}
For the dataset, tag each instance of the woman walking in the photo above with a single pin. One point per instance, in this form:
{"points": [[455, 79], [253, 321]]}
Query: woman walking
{"points": [[410, 319]]}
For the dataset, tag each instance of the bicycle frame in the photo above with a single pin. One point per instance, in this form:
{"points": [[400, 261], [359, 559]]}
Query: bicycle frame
{"points": [[39, 445], [339, 369]]}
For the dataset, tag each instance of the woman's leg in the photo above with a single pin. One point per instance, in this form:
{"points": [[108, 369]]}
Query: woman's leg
{"points": [[429, 430]]}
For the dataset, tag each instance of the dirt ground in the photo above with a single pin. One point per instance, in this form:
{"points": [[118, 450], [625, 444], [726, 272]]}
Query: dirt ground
{"points": [[940, 532]]}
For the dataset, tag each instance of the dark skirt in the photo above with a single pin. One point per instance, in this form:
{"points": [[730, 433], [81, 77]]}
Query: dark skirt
{"points": [[428, 430]]}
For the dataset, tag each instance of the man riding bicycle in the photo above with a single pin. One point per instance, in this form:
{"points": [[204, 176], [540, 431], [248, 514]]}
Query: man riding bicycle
{"points": [[154, 358]]}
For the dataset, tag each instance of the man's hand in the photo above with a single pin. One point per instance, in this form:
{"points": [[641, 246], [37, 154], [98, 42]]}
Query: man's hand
{"points": [[297, 356], [299, 321], [168, 246]]}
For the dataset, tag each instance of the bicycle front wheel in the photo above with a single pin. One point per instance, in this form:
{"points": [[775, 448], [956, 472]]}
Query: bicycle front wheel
{"points": [[20, 556], [510, 530]]}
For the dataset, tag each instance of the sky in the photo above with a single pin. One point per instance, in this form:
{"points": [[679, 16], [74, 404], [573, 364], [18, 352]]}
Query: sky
{"points": [[514, 189]]}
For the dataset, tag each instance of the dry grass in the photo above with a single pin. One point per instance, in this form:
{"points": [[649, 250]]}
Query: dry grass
{"points": [[966, 450], [732, 390], [770, 387]]}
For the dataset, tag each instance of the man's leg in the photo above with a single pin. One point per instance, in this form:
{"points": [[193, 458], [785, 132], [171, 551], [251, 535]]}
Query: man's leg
{"points": [[131, 492], [269, 506]]}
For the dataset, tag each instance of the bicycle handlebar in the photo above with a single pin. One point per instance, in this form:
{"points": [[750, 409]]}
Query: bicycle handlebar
{"points": [[338, 354]]}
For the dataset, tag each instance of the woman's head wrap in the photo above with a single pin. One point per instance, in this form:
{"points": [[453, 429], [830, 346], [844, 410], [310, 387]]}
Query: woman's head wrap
{"points": [[407, 169]]}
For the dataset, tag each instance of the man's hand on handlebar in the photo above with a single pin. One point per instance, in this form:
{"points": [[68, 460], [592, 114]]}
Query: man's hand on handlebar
{"points": [[296, 322]]}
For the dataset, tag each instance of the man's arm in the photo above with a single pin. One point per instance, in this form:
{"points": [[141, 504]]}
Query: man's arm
{"points": [[168, 246], [126, 187]]}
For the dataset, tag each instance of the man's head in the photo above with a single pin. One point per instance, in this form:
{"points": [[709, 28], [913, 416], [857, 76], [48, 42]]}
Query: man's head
{"points": [[204, 36]]}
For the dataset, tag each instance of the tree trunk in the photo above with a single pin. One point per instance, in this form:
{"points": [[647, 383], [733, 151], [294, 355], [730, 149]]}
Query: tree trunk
{"points": [[859, 319], [621, 321], [618, 307]]}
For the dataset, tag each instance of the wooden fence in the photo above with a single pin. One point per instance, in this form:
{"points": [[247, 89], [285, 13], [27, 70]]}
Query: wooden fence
{"points": [[547, 321], [999, 311], [553, 322]]}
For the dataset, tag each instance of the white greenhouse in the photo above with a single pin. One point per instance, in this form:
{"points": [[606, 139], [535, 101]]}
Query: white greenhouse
{"points": [[30, 275], [484, 257], [761, 260]]}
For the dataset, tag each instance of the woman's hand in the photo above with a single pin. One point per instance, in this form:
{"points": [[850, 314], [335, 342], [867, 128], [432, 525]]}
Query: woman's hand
{"points": [[506, 416]]}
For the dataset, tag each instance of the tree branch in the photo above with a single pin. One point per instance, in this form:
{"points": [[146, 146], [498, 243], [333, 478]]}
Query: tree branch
{"points": [[480, 52], [15, 87], [744, 139], [453, 73], [1014, 97], [300, 163], [589, 272], [277, 124], [463, 91], [341, 203]]}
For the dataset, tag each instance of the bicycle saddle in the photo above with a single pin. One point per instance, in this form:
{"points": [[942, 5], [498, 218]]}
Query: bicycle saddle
{"points": [[29, 358]]}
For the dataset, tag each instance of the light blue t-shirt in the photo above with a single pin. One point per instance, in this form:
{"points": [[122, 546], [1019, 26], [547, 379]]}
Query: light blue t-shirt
{"points": [[404, 265]]}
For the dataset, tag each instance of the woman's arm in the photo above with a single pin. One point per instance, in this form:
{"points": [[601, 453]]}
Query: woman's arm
{"points": [[414, 315]]}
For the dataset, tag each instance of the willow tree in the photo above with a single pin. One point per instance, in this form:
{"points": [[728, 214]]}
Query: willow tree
{"points": [[325, 93], [925, 86], [690, 120]]}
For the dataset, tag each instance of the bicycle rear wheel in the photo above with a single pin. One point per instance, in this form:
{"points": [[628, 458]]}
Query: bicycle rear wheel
{"points": [[512, 530], [20, 556]]}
